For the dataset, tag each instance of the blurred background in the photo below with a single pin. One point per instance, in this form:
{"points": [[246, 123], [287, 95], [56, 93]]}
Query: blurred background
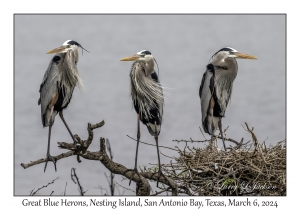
{"points": [[182, 46]]}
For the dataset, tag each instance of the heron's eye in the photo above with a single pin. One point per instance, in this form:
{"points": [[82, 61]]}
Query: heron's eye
{"points": [[231, 52], [68, 46]]}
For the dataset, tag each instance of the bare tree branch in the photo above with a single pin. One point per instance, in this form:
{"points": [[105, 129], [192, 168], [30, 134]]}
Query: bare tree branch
{"points": [[111, 182], [65, 189], [151, 144], [81, 150], [73, 174], [33, 193], [58, 157], [197, 171]]}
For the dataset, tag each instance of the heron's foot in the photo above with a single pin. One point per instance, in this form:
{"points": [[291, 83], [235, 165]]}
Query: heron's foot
{"points": [[135, 172], [225, 148], [50, 158], [75, 142], [160, 174], [76, 145]]}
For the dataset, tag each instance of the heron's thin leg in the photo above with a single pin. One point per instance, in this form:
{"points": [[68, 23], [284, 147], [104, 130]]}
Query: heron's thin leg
{"points": [[212, 141], [137, 146], [62, 118], [49, 157], [50, 118], [138, 135], [220, 126], [156, 140], [159, 166]]}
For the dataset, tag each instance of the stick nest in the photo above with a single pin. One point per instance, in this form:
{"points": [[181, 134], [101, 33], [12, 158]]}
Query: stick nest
{"points": [[247, 169]]}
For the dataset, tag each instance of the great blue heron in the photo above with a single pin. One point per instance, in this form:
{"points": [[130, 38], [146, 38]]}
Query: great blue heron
{"points": [[216, 87], [57, 87], [147, 97]]}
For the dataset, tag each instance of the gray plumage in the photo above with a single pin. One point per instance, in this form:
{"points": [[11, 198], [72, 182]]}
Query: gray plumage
{"points": [[147, 94], [61, 75], [147, 98], [57, 87], [216, 87]]}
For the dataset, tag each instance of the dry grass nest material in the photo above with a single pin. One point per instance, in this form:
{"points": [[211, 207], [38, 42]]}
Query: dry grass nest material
{"points": [[247, 169]]}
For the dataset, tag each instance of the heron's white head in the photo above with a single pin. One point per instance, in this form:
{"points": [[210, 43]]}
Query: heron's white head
{"points": [[69, 42], [228, 52], [66, 46], [144, 55]]}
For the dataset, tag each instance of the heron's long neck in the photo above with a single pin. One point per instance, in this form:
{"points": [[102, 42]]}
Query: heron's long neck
{"points": [[149, 66], [224, 78], [70, 76], [228, 67], [232, 67]]}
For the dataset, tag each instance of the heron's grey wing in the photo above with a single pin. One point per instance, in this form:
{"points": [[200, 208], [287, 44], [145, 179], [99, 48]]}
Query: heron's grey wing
{"points": [[202, 83], [209, 106], [205, 93], [54, 60], [147, 96], [49, 91], [223, 89], [156, 112]]}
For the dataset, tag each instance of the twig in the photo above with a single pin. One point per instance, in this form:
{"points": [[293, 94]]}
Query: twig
{"points": [[150, 144], [239, 144], [191, 141], [111, 183], [157, 193], [65, 189], [125, 188], [119, 190], [252, 133], [33, 193], [73, 174], [203, 134], [101, 188]]}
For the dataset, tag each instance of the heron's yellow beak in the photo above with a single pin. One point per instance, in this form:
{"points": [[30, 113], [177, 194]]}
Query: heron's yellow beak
{"points": [[131, 58], [57, 50], [244, 56]]}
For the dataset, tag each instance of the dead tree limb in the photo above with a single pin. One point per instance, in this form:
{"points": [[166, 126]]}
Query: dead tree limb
{"points": [[81, 150]]}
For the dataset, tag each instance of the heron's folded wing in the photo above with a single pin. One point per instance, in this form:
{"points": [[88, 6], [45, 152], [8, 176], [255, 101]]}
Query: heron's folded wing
{"points": [[48, 89]]}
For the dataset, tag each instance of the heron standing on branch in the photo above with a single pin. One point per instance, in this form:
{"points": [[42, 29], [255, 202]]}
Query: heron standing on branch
{"points": [[57, 87], [147, 97], [216, 88]]}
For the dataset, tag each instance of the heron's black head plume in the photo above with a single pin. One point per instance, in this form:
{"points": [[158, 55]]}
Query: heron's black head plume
{"points": [[143, 53], [146, 52], [72, 42], [229, 49], [157, 66], [83, 49]]}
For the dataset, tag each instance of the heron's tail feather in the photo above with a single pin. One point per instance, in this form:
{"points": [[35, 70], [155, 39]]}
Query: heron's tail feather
{"points": [[210, 124], [46, 117], [151, 128]]}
